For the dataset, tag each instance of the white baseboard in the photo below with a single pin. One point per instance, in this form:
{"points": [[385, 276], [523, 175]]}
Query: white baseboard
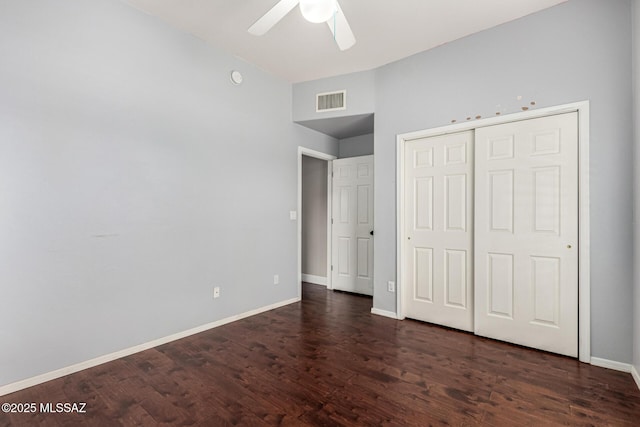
{"points": [[635, 375], [384, 313], [316, 280], [611, 364], [48, 376]]}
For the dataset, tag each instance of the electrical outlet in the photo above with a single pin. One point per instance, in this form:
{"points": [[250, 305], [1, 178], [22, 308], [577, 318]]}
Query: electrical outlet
{"points": [[216, 292], [391, 286], [276, 279]]}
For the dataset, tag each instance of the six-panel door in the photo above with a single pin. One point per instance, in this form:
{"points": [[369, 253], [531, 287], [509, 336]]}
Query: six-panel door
{"points": [[352, 230], [526, 233], [438, 237]]}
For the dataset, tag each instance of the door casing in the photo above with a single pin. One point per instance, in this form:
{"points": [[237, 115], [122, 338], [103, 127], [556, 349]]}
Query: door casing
{"points": [[584, 282]]}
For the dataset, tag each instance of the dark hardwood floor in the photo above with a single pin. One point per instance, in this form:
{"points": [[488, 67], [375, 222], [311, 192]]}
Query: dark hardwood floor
{"points": [[327, 361]]}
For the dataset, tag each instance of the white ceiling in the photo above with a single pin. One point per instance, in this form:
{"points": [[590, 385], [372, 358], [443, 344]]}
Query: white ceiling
{"points": [[297, 50]]}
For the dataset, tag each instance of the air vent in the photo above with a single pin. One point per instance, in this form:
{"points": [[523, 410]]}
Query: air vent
{"points": [[331, 101]]}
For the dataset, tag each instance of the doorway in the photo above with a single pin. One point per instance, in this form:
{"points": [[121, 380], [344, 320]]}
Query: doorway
{"points": [[314, 222], [313, 219]]}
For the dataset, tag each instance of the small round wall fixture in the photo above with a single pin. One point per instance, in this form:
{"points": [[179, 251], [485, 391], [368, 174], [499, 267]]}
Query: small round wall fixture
{"points": [[236, 77]]}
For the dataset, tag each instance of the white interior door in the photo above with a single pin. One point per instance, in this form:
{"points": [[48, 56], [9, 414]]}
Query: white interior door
{"points": [[526, 233], [438, 269], [352, 229]]}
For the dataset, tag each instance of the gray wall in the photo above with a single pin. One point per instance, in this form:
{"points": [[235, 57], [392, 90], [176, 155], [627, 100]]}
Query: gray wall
{"points": [[636, 263], [356, 146], [360, 96], [579, 50], [133, 178], [314, 216]]}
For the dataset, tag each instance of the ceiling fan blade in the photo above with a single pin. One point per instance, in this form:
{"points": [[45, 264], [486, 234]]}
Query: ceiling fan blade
{"points": [[272, 17], [341, 30]]}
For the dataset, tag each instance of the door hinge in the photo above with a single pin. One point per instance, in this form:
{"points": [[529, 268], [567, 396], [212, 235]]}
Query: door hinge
{"points": [[332, 268]]}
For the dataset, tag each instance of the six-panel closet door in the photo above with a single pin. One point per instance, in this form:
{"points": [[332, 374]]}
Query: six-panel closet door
{"points": [[438, 186], [526, 233], [490, 239]]}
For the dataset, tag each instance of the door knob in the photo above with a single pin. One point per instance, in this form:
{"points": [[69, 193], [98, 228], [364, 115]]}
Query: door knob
{"points": [[568, 246], [371, 232]]}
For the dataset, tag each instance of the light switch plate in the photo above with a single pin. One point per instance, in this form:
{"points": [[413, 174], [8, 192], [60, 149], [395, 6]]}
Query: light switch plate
{"points": [[293, 215]]}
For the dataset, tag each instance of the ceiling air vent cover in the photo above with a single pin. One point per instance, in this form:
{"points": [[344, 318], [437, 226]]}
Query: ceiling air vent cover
{"points": [[331, 101]]}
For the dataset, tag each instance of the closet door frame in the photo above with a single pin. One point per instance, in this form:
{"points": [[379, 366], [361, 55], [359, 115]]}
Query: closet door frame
{"points": [[584, 281]]}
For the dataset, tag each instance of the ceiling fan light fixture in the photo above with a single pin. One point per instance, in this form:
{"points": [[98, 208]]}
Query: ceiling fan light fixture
{"points": [[318, 11]]}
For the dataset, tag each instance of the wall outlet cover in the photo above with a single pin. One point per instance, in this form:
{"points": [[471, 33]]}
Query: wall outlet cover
{"points": [[391, 286]]}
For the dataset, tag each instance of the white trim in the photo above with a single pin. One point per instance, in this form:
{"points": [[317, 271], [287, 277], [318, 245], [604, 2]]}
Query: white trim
{"points": [[584, 262], [399, 223], [384, 313], [329, 283], [611, 364], [584, 237], [48, 376], [322, 156], [316, 280], [635, 375]]}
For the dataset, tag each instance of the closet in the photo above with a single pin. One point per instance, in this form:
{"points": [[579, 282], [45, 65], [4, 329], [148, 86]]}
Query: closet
{"points": [[490, 238]]}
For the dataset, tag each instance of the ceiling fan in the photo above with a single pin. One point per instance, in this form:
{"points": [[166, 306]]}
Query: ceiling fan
{"points": [[315, 11]]}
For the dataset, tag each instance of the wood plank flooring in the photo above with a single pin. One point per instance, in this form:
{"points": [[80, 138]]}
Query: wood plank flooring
{"points": [[327, 361]]}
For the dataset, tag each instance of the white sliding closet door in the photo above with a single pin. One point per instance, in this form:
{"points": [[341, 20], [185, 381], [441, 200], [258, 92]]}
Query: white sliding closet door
{"points": [[438, 185], [352, 229], [526, 233]]}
